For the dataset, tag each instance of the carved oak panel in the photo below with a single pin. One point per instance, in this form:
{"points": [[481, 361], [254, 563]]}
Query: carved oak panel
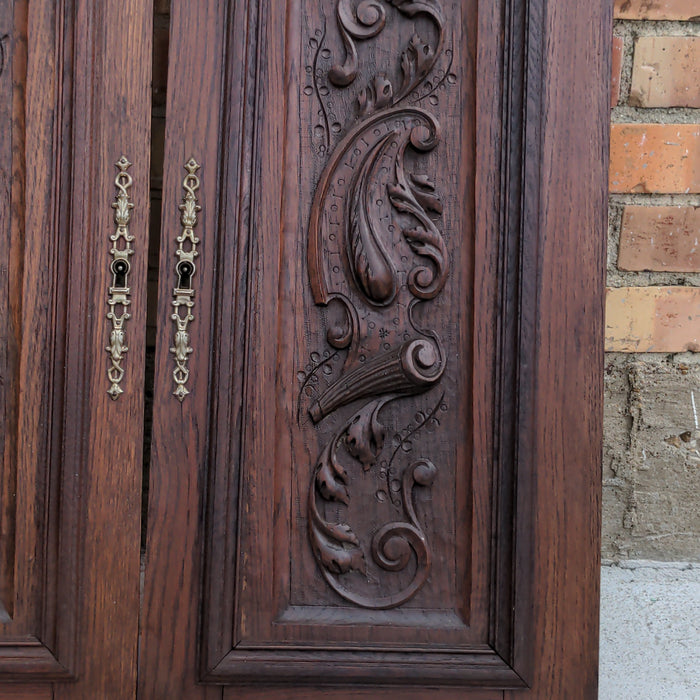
{"points": [[356, 301], [371, 254], [372, 462], [376, 394]]}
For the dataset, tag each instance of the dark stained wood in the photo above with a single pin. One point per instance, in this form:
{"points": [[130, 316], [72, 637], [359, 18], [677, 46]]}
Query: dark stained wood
{"points": [[241, 589], [194, 129], [111, 453], [38, 634], [12, 84], [567, 137], [81, 74], [383, 478]]}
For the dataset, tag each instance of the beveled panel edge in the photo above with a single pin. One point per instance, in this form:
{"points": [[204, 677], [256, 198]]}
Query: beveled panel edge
{"points": [[518, 240], [484, 669], [12, 175], [30, 660], [512, 462], [49, 583]]}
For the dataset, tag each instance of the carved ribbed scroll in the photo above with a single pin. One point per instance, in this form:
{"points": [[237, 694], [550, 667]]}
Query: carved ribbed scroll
{"points": [[376, 251]]}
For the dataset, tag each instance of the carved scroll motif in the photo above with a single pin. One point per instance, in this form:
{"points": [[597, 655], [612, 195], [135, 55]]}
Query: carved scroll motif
{"points": [[375, 252]]}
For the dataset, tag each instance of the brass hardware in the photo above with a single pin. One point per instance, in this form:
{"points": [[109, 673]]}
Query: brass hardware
{"points": [[183, 294], [119, 291]]}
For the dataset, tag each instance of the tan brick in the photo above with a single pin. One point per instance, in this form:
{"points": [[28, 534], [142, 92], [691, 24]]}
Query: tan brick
{"points": [[660, 239], [657, 9], [666, 72], [652, 319], [655, 158], [618, 51]]}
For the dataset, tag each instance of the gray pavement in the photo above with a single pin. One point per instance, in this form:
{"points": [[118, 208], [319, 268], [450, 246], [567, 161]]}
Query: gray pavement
{"points": [[650, 631]]}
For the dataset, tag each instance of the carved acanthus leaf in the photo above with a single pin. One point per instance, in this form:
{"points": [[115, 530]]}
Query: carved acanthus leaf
{"points": [[365, 437], [425, 239], [416, 62], [331, 478]]}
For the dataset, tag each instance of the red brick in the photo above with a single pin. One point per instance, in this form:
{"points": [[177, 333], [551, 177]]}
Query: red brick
{"points": [[618, 51], [655, 158], [652, 319], [657, 9], [666, 72], [660, 239]]}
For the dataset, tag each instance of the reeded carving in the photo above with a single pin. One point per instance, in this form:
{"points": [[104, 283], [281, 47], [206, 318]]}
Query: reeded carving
{"points": [[375, 251], [119, 291], [408, 369]]}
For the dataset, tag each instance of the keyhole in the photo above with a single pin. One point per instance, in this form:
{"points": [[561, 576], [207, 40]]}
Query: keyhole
{"points": [[120, 268], [185, 270]]}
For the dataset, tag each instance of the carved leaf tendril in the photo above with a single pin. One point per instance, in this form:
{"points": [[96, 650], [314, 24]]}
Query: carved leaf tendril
{"points": [[366, 22], [425, 240]]}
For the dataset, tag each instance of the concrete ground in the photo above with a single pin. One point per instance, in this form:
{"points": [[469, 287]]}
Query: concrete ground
{"points": [[650, 631]]}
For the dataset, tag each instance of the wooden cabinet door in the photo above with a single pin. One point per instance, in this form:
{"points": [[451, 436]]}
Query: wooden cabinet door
{"points": [[376, 433], [74, 80]]}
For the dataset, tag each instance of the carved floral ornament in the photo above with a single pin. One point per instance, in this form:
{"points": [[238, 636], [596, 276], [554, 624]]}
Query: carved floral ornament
{"points": [[375, 251]]}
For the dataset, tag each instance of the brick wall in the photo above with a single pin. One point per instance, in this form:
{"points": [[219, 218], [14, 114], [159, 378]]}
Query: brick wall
{"points": [[651, 487]]}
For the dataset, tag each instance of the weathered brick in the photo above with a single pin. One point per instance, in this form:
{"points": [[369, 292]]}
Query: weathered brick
{"points": [[655, 158], [660, 239], [666, 72], [657, 9], [652, 319], [618, 51]]}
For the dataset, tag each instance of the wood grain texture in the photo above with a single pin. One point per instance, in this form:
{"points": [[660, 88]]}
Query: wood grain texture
{"points": [[110, 455], [568, 212], [12, 206], [96, 483], [235, 593], [168, 657], [111, 119], [77, 483], [231, 467], [39, 639]]}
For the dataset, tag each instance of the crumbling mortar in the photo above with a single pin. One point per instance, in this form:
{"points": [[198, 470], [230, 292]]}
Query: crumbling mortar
{"points": [[626, 114], [652, 519]]}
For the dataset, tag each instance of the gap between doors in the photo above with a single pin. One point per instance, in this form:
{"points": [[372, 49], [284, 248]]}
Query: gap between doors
{"points": [[161, 34]]}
